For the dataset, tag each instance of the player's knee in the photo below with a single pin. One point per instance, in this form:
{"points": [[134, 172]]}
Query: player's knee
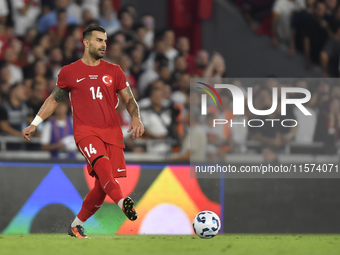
{"points": [[103, 170]]}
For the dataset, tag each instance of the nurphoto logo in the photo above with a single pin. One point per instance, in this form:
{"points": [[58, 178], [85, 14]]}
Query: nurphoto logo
{"points": [[238, 104]]}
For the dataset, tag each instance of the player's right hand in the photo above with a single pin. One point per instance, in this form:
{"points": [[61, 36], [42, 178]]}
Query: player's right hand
{"points": [[137, 128], [28, 131]]}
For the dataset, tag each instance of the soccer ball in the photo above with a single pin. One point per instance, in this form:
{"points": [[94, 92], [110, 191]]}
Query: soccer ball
{"points": [[206, 224]]}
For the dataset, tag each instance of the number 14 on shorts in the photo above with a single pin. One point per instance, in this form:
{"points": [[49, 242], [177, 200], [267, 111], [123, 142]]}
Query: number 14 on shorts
{"points": [[90, 151]]}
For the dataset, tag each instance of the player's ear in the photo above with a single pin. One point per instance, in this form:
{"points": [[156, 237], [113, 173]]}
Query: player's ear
{"points": [[86, 43]]}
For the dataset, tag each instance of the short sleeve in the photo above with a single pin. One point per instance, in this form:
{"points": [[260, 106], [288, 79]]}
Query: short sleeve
{"points": [[61, 81], [3, 8], [279, 7], [18, 4], [121, 80], [144, 116], [300, 5], [198, 139]]}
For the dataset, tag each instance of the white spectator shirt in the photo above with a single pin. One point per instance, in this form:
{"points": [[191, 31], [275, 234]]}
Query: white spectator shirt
{"points": [[239, 135], [178, 97], [171, 55], [77, 11], [147, 77], [307, 125], [156, 123], [285, 9], [94, 2], [3, 8], [213, 132], [150, 62], [127, 118], [55, 73], [23, 22], [16, 74], [46, 132], [196, 142], [146, 102], [148, 38]]}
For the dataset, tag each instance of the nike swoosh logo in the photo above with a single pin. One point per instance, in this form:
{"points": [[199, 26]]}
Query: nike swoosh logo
{"points": [[80, 79], [120, 170], [98, 206]]}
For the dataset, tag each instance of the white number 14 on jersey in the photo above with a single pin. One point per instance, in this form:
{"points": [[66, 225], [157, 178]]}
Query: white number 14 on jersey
{"points": [[98, 95]]}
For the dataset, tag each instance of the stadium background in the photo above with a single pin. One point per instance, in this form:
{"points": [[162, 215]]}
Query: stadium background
{"points": [[35, 189]]}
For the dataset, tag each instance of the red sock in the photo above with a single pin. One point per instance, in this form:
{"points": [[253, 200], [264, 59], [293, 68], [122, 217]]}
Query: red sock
{"points": [[110, 186], [92, 202]]}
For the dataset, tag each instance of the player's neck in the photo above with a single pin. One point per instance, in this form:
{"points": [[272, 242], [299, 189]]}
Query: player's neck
{"points": [[87, 60]]}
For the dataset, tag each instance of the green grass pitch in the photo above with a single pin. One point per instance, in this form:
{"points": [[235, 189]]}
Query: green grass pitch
{"points": [[59, 244]]}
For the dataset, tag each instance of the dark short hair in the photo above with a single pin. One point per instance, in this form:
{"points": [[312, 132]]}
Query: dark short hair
{"points": [[164, 31], [162, 60], [71, 28], [138, 26], [94, 27], [121, 13], [14, 86]]}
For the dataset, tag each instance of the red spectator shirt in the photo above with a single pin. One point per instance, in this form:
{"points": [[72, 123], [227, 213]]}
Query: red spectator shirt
{"points": [[93, 98]]}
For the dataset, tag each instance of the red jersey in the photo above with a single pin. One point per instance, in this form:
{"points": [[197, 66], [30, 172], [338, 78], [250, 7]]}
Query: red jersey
{"points": [[93, 97]]}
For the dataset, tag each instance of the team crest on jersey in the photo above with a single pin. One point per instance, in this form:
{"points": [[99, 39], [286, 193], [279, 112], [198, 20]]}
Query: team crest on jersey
{"points": [[107, 79]]}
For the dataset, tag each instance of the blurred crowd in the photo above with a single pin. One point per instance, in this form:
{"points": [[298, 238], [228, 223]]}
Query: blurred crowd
{"points": [[38, 37], [311, 27]]}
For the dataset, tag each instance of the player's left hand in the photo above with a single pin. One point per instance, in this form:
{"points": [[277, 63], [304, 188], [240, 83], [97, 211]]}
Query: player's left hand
{"points": [[137, 128]]}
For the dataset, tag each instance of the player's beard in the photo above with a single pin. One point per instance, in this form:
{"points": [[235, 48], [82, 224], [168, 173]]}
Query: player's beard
{"points": [[95, 53]]}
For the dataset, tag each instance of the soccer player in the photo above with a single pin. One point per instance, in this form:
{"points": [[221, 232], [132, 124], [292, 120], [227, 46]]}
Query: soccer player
{"points": [[92, 85]]}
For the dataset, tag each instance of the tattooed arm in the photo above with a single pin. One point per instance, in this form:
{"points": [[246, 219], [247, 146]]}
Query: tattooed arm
{"points": [[47, 109], [132, 107], [52, 102], [130, 101]]}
